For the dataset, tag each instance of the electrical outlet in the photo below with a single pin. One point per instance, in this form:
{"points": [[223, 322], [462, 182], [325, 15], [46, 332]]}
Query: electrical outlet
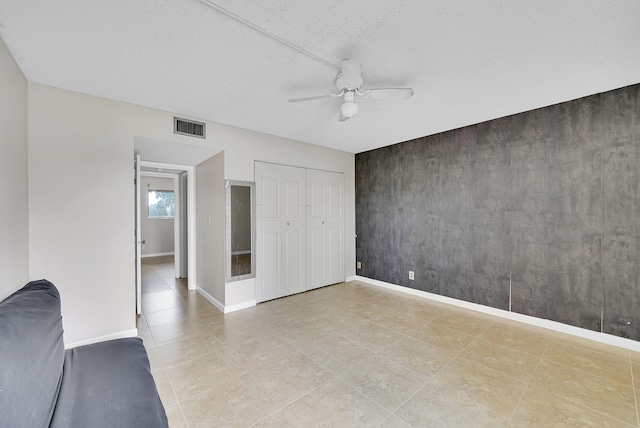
{"points": [[358, 265], [411, 277]]}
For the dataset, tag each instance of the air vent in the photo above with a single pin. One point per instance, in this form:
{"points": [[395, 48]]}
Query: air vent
{"points": [[188, 127]]}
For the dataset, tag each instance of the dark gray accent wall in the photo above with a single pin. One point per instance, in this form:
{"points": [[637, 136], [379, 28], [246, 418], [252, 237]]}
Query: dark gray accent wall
{"points": [[540, 209]]}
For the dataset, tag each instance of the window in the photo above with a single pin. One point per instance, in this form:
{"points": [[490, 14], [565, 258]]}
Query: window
{"points": [[161, 204]]}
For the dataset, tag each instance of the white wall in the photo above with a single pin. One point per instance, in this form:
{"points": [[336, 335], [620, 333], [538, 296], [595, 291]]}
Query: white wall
{"points": [[81, 203], [81, 196], [210, 212], [14, 215], [158, 233]]}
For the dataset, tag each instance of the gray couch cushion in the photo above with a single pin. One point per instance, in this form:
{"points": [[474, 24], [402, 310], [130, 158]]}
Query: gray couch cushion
{"points": [[31, 355], [108, 384]]}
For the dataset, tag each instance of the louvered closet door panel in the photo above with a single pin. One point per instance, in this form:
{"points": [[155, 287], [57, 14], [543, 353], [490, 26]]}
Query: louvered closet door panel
{"points": [[325, 228], [280, 224]]}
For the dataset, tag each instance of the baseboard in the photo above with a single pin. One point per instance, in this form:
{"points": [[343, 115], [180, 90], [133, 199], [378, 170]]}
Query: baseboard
{"points": [[119, 335], [211, 299], [222, 308], [144, 256], [240, 306], [514, 316]]}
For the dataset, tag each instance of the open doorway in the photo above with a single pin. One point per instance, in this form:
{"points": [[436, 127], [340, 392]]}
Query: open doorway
{"points": [[163, 211], [158, 158], [165, 225]]}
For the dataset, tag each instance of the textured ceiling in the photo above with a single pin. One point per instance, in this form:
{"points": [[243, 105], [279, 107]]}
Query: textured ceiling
{"points": [[467, 61]]}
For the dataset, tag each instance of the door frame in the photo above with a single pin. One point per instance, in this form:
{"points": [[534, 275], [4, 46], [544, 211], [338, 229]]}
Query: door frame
{"points": [[177, 218], [191, 216], [137, 238]]}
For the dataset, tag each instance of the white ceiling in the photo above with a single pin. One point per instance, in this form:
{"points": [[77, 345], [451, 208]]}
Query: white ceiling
{"points": [[467, 61]]}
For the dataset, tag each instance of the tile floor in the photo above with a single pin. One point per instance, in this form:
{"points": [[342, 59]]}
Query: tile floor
{"points": [[355, 355]]}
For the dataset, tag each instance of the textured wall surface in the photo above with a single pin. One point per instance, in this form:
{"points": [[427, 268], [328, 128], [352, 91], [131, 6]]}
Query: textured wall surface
{"points": [[541, 209]]}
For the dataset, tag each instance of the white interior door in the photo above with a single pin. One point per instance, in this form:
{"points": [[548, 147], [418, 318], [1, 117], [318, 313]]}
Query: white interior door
{"points": [[138, 239], [280, 227], [325, 228]]}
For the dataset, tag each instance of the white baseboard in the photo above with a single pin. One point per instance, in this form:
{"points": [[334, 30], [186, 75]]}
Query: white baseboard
{"points": [[144, 256], [240, 306], [514, 316], [119, 335], [222, 308], [211, 299]]}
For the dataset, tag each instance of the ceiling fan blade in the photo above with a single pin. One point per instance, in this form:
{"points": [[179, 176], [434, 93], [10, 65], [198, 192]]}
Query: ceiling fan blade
{"points": [[317, 97], [342, 118], [387, 93], [351, 73]]}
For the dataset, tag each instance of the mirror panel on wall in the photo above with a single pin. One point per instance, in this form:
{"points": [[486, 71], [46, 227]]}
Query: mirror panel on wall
{"points": [[240, 241]]}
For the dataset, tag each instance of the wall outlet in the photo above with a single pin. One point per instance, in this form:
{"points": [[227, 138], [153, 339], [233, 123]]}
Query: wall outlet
{"points": [[411, 277], [358, 265]]}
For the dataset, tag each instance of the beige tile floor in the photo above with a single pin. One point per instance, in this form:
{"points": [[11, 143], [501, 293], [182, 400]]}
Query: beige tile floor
{"points": [[355, 355]]}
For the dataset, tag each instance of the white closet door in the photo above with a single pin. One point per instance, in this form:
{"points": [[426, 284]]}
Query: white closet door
{"points": [[325, 228], [280, 225]]}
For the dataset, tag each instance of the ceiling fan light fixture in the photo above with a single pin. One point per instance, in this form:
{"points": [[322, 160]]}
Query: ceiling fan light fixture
{"points": [[349, 82], [341, 83], [349, 109]]}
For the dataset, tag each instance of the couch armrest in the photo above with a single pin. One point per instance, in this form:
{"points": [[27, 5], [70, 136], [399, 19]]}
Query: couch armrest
{"points": [[31, 355]]}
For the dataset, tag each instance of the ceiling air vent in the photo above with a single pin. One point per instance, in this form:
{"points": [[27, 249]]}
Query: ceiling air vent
{"points": [[188, 127]]}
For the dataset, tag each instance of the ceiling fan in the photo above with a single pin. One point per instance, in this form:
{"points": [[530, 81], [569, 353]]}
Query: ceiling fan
{"points": [[349, 83]]}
